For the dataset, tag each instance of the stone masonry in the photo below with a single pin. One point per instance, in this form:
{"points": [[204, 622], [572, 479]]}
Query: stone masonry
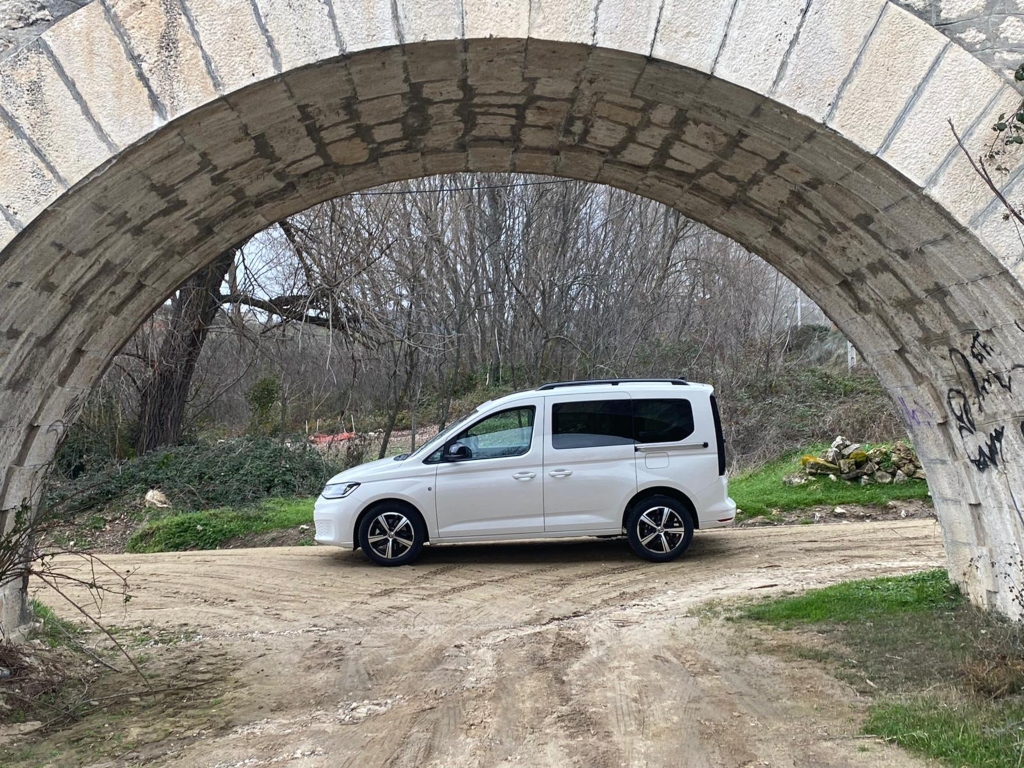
{"points": [[993, 30], [140, 138]]}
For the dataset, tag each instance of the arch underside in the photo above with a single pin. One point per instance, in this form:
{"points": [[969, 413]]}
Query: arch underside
{"points": [[928, 306]]}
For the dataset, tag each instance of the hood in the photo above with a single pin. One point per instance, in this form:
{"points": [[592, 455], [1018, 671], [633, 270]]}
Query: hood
{"points": [[378, 470]]}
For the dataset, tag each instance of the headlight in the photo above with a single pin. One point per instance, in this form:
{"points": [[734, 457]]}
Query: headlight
{"points": [[339, 490]]}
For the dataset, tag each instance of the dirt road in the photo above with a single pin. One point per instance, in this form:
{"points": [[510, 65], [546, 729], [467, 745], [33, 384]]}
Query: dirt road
{"points": [[569, 653]]}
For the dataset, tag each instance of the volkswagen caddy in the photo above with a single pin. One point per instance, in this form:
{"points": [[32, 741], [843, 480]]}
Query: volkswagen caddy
{"points": [[644, 457]]}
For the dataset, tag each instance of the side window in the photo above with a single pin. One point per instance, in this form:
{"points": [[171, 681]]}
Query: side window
{"points": [[507, 433], [591, 423], [662, 421]]}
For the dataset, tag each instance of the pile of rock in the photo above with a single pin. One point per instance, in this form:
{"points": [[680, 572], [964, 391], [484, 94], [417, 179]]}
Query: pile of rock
{"points": [[844, 460]]}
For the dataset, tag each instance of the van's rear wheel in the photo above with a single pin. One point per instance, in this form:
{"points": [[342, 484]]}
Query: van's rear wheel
{"points": [[659, 528], [392, 534]]}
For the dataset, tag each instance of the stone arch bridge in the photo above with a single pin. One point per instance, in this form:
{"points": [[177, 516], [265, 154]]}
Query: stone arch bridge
{"points": [[140, 138]]}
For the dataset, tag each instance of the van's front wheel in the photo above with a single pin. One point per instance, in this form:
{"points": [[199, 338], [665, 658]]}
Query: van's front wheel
{"points": [[392, 534], [659, 528]]}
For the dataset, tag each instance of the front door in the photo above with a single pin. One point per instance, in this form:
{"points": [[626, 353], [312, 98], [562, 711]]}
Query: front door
{"points": [[589, 462], [494, 486]]}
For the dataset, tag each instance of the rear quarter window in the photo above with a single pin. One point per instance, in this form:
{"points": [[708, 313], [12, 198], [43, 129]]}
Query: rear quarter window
{"points": [[662, 421], [591, 424]]}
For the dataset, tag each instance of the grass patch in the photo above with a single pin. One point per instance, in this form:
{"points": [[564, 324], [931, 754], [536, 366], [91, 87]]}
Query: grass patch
{"points": [[209, 529], [861, 600], [54, 631], [979, 733], [761, 492], [947, 679]]}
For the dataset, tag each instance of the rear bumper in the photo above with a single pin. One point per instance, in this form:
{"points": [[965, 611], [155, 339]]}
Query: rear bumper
{"points": [[720, 515], [717, 510]]}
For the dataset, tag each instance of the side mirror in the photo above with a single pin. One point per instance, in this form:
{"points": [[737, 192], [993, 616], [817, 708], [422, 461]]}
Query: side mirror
{"points": [[458, 452]]}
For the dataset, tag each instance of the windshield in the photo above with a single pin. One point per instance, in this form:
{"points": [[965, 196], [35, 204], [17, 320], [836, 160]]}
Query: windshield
{"points": [[439, 439]]}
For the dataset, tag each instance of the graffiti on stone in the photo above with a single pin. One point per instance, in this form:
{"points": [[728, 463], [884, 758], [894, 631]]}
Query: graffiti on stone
{"points": [[71, 413], [915, 414], [983, 376]]}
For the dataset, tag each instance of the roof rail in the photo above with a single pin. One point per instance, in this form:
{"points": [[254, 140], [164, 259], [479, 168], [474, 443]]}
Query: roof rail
{"points": [[611, 382]]}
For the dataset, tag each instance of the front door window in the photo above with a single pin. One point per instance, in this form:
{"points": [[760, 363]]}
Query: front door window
{"points": [[508, 433]]}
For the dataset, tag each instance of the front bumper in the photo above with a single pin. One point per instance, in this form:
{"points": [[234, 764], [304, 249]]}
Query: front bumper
{"points": [[335, 521]]}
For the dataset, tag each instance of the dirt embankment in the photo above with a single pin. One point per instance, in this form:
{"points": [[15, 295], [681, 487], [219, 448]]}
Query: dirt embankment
{"points": [[568, 653]]}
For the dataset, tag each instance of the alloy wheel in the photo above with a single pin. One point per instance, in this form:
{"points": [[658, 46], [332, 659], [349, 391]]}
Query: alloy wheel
{"points": [[391, 535]]}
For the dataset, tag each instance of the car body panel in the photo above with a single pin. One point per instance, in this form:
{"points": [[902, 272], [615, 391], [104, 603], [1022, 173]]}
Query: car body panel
{"points": [[481, 500]]}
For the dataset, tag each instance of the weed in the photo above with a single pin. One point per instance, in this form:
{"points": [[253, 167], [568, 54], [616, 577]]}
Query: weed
{"points": [[53, 630]]}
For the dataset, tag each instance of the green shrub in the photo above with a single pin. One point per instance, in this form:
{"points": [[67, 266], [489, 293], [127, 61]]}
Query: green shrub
{"points": [[206, 475]]}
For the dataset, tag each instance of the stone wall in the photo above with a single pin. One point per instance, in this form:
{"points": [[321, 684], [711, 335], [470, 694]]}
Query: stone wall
{"points": [[993, 30], [138, 141]]}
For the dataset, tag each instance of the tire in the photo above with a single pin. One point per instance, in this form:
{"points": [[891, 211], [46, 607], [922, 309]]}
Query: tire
{"points": [[392, 534], [659, 528]]}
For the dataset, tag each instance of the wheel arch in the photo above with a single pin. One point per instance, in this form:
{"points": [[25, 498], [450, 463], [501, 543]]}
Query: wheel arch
{"points": [[662, 490], [379, 503]]}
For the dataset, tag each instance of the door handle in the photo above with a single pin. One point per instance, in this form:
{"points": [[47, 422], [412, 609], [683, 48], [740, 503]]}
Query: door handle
{"points": [[560, 472], [524, 475]]}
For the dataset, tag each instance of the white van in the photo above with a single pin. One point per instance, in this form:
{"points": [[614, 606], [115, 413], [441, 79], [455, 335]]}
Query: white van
{"points": [[589, 458]]}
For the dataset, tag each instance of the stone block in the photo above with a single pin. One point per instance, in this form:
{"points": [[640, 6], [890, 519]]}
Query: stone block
{"points": [[756, 42], [34, 94], [579, 163], [997, 229], [555, 61], [612, 73], [635, 154], [605, 134], [627, 25], [496, 62], [90, 51], [26, 186], [7, 230], [958, 90], [570, 21], [230, 34], [21, 485], [742, 165], [882, 84], [365, 24], [496, 18], [445, 162], [167, 52], [421, 20], [824, 52], [302, 30], [441, 62], [379, 73], [493, 158], [526, 161], [956, 185], [691, 32], [406, 165], [876, 183], [621, 176], [388, 132], [443, 136]]}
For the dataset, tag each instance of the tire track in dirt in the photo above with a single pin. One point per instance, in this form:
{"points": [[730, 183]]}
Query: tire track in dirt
{"points": [[566, 653]]}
